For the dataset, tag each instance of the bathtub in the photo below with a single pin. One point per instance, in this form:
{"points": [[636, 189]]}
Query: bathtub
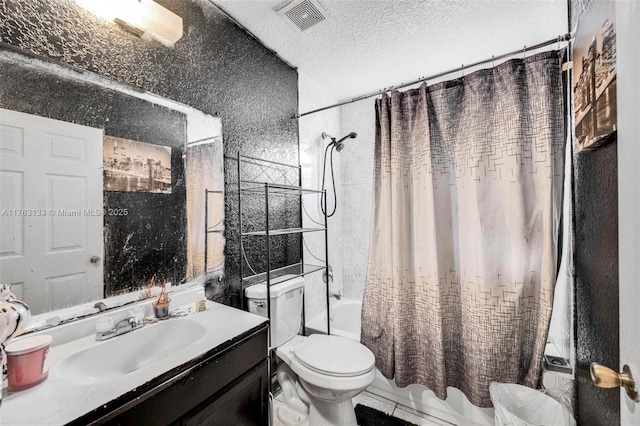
{"points": [[346, 322], [345, 319]]}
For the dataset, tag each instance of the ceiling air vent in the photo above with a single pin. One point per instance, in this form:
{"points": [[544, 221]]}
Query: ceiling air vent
{"points": [[303, 14]]}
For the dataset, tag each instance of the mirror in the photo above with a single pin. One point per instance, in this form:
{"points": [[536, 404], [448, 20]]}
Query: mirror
{"points": [[102, 187]]}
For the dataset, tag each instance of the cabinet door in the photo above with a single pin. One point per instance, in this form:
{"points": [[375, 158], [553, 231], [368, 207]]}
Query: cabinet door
{"points": [[244, 402]]}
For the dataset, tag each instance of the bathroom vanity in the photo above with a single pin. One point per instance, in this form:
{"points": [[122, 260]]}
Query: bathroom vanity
{"points": [[203, 368], [228, 385]]}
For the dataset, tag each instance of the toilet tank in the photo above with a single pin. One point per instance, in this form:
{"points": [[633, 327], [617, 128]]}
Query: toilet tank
{"points": [[286, 306]]}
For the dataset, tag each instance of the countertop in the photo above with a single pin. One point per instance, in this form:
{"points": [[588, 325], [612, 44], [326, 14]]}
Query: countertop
{"points": [[58, 401]]}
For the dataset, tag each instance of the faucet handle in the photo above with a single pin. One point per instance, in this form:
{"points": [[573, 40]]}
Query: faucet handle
{"points": [[137, 313], [104, 324]]}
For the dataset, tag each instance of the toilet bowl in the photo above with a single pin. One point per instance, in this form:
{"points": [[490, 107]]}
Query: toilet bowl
{"points": [[325, 372], [318, 374]]}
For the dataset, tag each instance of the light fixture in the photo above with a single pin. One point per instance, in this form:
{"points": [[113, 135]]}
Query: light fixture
{"points": [[144, 18]]}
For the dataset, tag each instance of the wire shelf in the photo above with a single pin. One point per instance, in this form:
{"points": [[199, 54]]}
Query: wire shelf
{"points": [[274, 232], [265, 177], [259, 171], [295, 270], [278, 188]]}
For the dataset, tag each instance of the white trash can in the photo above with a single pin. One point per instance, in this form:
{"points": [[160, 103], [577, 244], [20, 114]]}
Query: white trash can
{"points": [[517, 405]]}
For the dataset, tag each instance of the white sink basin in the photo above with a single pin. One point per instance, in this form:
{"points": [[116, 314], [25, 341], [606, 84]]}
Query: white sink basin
{"points": [[113, 358]]}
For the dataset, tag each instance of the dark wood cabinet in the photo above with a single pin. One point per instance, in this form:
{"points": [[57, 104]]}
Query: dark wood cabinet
{"points": [[242, 404], [226, 386]]}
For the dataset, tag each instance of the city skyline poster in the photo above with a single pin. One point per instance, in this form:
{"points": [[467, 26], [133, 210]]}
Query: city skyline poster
{"points": [[594, 76], [132, 166]]}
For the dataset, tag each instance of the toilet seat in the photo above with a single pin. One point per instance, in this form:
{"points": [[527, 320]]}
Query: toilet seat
{"points": [[287, 353], [334, 356]]}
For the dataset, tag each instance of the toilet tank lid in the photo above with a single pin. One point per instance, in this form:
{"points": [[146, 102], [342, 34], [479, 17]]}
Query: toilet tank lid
{"points": [[278, 287]]}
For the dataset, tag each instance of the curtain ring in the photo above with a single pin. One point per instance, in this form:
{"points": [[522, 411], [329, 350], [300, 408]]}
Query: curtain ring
{"points": [[462, 70], [524, 51], [493, 62]]}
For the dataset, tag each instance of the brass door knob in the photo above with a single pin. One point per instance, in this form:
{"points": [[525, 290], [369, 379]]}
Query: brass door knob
{"points": [[604, 377]]}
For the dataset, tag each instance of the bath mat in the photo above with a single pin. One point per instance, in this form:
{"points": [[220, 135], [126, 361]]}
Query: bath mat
{"points": [[368, 416]]}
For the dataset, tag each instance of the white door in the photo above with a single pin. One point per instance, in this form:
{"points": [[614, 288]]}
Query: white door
{"points": [[51, 244], [628, 64]]}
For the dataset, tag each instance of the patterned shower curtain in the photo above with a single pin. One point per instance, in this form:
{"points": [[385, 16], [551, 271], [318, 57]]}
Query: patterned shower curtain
{"points": [[462, 263]]}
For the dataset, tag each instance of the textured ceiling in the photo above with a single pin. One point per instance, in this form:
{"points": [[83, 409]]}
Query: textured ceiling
{"points": [[366, 45]]}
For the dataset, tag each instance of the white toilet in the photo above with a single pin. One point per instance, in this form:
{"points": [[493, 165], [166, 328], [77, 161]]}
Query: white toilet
{"points": [[318, 374]]}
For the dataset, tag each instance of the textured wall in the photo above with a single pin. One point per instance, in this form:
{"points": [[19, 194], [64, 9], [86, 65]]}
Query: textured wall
{"points": [[216, 67], [578, 7], [596, 272]]}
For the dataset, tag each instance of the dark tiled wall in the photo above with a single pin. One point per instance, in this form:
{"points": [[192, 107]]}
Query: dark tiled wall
{"points": [[216, 67]]}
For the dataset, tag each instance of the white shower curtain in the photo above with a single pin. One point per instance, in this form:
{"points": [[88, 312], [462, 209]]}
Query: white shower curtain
{"points": [[462, 264]]}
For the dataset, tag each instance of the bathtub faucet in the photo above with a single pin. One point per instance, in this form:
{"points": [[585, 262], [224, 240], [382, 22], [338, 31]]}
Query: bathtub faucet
{"points": [[335, 294]]}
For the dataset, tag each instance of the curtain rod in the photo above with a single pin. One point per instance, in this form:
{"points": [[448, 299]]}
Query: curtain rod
{"points": [[559, 39]]}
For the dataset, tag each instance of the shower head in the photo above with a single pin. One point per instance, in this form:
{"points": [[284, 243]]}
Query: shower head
{"points": [[351, 135], [328, 151], [340, 143]]}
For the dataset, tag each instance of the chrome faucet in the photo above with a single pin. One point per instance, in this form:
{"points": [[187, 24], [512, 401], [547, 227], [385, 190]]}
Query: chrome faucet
{"points": [[123, 326], [100, 306], [335, 294]]}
